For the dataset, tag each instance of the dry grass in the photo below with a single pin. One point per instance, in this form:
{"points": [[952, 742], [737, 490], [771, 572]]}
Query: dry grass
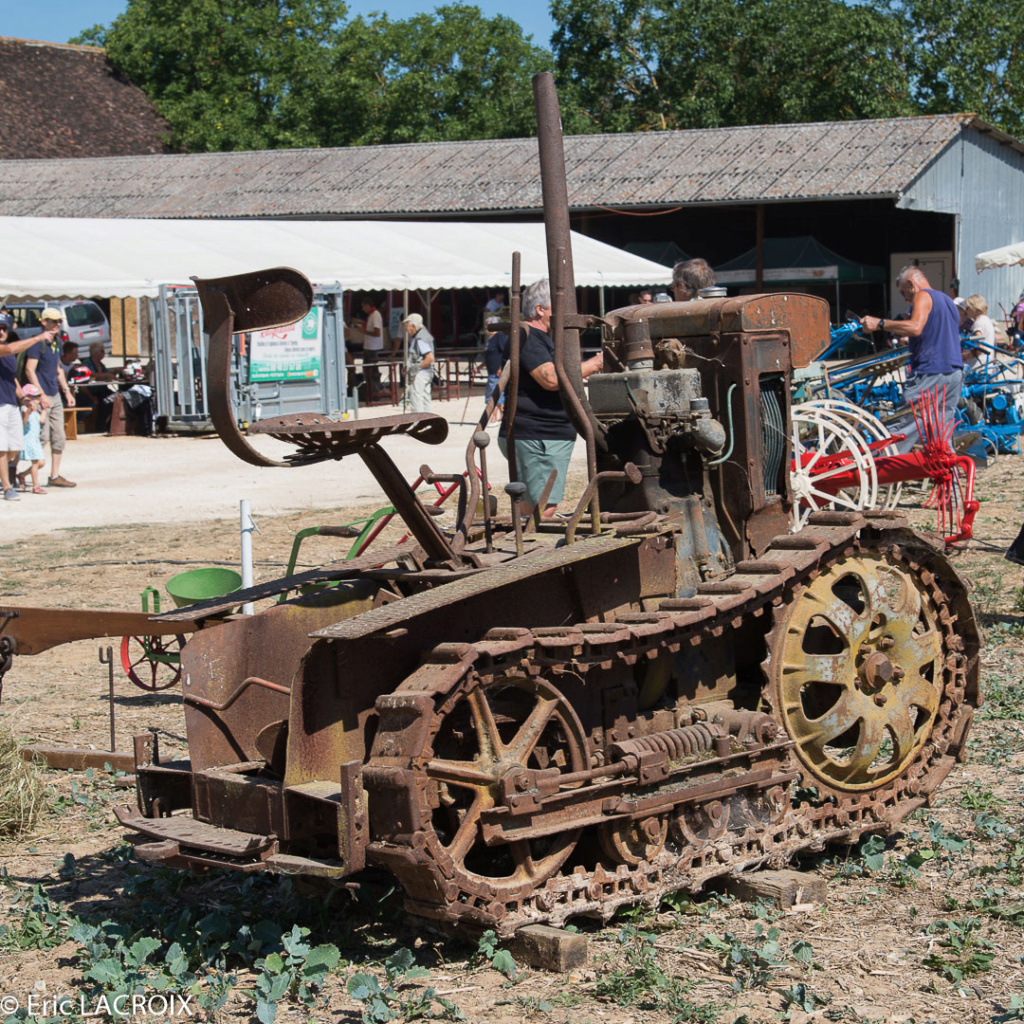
{"points": [[21, 792]]}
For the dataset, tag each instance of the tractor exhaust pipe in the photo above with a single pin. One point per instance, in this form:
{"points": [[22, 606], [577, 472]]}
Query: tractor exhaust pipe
{"points": [[561, 276]]}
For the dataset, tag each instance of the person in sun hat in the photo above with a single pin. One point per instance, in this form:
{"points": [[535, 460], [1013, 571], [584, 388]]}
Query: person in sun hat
{"points": [[33, 451], [419, 375], [11, 429], [42, 368]]}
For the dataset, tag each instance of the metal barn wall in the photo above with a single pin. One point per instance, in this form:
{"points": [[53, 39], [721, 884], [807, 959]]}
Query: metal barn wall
{"points": [[982, 180]]}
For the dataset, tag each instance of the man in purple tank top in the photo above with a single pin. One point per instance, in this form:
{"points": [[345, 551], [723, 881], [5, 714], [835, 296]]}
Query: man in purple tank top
{"points": [[936, 364]]}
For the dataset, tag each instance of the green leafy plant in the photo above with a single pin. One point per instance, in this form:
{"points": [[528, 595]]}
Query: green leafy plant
{"points": [[500, 959], [641, 982], [42, 925], [1014, 1011], [751, 964], [980, 798], [965, 952], [872, 852], [800, 997], [1000, 903], [298, 972], [387, 1001]]}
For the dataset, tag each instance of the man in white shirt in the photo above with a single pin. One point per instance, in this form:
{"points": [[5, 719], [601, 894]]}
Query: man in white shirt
{"points": [[373, 344]]}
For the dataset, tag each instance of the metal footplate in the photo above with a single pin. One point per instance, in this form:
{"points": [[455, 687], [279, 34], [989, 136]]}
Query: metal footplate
{"points": [[318, 437], [199, 839]]}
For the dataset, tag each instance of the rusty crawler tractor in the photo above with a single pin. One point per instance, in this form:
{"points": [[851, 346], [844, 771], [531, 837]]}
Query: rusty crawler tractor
{"points": [[527, 724]]}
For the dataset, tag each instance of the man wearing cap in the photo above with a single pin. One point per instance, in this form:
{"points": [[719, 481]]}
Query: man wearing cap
{"points": [[11, 428], [419, 375], [42, 367]]}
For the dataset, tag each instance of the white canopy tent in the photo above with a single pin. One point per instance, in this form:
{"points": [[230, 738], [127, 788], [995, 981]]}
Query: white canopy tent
{"points": [[1006, 256], [55, 257]]}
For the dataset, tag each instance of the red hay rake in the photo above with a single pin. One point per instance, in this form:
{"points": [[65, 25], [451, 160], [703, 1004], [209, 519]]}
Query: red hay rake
{"points": [[951, 475]]}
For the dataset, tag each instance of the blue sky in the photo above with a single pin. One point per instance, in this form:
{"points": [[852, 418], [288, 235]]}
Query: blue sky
{"points": [[56, 21]]}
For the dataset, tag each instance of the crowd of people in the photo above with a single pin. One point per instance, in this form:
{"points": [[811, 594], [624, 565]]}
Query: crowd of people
{"points": [[40, 378], [32, 386]]}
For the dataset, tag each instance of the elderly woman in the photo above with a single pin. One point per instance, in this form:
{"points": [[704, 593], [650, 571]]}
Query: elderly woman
{"points": [[982, 326], [544, 433]]}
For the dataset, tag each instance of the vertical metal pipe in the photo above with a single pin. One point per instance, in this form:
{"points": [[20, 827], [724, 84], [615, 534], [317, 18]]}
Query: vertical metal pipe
{"points": [[246, 526], [485, 483], [569, 397], [107, 658], [557, 232], [513, 369], [759, 249]]}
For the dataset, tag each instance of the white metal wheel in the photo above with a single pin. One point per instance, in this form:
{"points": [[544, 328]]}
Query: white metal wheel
{"points": [[817, 433], [874, 430]]}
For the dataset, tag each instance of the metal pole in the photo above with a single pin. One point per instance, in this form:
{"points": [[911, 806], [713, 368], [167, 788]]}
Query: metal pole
{"points": [[107, 658], [246, 526], [759, 247]]}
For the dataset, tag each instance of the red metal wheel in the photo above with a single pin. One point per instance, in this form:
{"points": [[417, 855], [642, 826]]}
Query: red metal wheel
{"points": [[152, 662]]}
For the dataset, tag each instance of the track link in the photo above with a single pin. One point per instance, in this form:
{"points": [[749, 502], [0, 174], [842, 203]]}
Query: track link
{"points": [[544, 890]]}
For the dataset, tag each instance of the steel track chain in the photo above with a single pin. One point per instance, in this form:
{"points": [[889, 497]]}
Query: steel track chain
{"points": [[760, 587]]}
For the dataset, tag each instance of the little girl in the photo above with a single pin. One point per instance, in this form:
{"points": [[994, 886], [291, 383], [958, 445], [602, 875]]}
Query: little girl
{"points": [[33, 450]]}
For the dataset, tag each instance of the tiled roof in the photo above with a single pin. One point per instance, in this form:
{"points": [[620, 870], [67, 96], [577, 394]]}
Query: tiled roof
{"points": [[723, 165], [59, 101]]}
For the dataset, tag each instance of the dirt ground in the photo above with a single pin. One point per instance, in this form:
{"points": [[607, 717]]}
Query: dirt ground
{"points": [[927, 929]]}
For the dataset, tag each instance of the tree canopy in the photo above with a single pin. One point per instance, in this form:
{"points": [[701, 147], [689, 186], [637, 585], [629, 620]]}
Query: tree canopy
{"points": [[962, 56], [657, 64], [251, 74], [263, 74]]}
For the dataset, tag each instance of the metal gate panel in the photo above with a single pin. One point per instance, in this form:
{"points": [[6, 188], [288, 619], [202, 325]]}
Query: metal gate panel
{"points": [[180, 358]]}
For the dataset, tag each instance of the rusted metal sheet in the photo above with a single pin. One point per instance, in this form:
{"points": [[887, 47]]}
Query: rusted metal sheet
{"points": [[245, 302], [77, 759], [269, 646]]}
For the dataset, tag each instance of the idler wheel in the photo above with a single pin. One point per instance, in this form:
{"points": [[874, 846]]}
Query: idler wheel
{"points": [[633, 842], [700, 822], [480, 732], [856, 670]]}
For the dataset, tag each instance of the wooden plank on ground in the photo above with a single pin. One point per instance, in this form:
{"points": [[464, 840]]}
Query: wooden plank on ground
{"points": [[78, 759], [783, 888], [549, 949]]}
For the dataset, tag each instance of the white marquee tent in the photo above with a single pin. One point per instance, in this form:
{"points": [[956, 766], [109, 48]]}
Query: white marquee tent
{"points": [[55, 257]]}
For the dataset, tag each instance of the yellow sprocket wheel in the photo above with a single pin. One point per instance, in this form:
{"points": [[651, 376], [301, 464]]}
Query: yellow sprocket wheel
{"points": [[855, 670]]}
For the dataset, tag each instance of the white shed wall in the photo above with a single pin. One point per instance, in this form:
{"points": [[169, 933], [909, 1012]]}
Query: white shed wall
{"points": [[981, 180]]}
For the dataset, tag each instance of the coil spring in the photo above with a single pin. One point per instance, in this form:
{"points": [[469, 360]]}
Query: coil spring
{"points": [[675, 743]]}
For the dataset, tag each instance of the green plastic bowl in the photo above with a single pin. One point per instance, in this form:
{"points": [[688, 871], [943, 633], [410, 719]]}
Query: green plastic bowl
{"points": [[202, 584]]}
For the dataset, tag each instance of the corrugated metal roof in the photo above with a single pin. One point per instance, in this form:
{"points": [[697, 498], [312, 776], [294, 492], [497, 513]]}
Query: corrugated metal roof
{"points": [[725, 165]]}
